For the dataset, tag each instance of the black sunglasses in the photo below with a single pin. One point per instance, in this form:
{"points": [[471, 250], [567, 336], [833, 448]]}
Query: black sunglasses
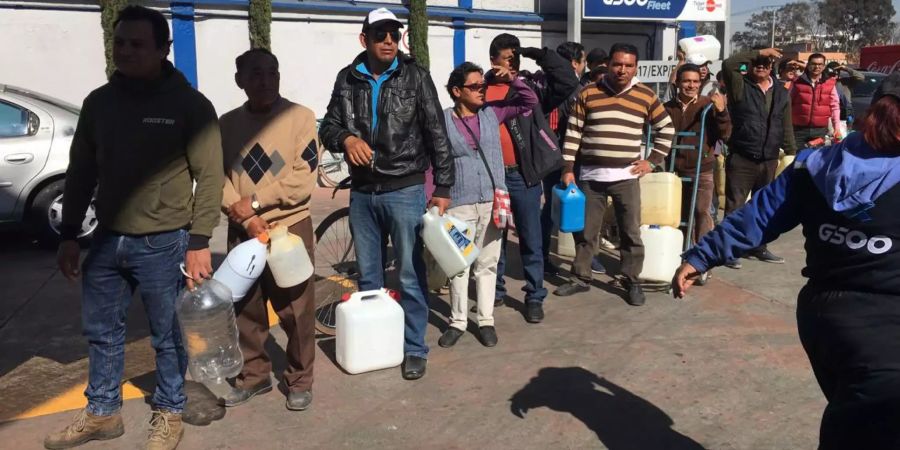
{"points": [[381, 35], [476, 86]]}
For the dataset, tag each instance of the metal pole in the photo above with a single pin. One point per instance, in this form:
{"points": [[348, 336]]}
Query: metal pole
{"points": [[774, 11], [724, 29], [573, 27]]}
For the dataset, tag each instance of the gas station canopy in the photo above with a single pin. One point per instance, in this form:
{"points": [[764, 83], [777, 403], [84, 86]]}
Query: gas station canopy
{"points": [[656, 10]]}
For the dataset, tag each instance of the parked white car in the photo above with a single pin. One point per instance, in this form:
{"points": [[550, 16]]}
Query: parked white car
{"points": [[35, 134]]}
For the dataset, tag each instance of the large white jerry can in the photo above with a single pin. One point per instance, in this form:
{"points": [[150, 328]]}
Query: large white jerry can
{"points": [[450, 241], [662, 252], [369, 331], [661, 199], [706, 45]]}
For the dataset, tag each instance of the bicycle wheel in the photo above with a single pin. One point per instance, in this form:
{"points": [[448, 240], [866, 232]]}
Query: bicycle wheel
{"points": [[336, 268], [332, 169]]}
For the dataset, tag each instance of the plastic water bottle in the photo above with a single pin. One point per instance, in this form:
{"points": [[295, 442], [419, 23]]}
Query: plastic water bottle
{"points": [[450, 241], [369, 327], [209, 332], [706, 45], [663, 256], [288, 259], [243, 265], [571, 208]]}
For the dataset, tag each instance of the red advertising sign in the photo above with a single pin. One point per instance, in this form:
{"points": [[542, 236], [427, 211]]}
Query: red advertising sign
{"points": [[884, 59]]}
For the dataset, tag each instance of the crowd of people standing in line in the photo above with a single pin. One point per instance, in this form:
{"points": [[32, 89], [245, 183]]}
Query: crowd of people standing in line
{"points": [[147, 136]]}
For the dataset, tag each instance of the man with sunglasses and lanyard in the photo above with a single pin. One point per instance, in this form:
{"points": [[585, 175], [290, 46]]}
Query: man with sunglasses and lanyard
{"points": [[385, 116], [762, 122], [530, 152]]}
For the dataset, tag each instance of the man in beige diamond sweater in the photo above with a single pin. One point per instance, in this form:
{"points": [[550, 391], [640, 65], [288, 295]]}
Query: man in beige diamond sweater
{"points": [[270, 148]]}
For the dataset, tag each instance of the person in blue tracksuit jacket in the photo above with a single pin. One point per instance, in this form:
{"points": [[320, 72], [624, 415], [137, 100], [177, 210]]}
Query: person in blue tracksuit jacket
{"points": [[847, 198]]}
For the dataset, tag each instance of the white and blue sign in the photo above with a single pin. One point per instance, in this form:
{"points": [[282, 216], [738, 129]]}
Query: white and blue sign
{"points": [[667, 10]]}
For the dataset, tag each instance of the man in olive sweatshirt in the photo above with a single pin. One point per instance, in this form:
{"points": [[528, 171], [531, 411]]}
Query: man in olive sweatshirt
{"points": [[142, 141]]}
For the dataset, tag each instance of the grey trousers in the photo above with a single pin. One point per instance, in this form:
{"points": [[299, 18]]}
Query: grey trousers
{"points": [[626, 196]]}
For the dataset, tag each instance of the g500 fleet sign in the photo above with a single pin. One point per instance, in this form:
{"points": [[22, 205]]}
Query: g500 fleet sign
{"points": [[674, 10]]}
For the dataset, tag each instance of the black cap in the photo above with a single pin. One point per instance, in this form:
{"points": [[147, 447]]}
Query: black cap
{"points": [[888, 86], [596, 55]]}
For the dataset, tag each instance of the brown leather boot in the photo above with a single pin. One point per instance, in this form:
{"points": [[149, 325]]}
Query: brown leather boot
{"points": [[86, 427], [166, 430]]}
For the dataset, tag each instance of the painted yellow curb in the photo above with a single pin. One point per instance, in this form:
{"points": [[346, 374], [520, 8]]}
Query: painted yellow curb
{"points": [[273, 318], [74, 399]]}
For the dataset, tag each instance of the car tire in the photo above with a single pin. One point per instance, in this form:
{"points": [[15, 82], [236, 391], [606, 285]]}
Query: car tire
{"points": [[45, 215]]}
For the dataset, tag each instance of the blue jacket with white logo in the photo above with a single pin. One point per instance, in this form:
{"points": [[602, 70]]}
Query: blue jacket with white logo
{"points": [[847, 199]]}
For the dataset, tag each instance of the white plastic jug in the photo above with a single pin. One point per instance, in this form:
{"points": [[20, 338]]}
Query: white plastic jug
{"points": [[288, 259], [369, 332], [706, 45], [242, 266], [783, 162], [661, 199], [662, 252], [450, 241]]}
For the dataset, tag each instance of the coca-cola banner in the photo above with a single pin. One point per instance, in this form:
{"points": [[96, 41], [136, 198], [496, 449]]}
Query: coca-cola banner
{"points": [[883, 59]]}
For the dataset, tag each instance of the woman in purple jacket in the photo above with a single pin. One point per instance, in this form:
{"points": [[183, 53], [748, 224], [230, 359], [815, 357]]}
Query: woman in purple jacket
{"points": [[473, 128]]}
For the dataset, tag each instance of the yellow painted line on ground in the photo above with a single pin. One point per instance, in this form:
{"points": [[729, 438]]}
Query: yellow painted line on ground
{"points": [[273, 318], [340, 280], [74, 399], [343, 281]]}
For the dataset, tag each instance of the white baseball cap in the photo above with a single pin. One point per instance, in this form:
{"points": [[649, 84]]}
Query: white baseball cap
{"points": [[696, 58], [379, 16]]}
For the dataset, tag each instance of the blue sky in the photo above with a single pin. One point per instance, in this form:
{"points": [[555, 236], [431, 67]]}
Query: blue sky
{"points": [[743, 6]]}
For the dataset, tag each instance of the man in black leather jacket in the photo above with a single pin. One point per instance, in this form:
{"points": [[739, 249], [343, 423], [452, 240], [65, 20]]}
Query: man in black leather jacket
{"points": [[530, 153], [385, 116]]}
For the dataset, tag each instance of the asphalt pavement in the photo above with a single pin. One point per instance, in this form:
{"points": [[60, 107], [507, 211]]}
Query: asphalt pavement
{"points": [[722, 369]]}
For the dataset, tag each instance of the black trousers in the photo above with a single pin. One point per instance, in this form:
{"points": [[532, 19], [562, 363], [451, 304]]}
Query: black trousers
{"points": [[853, 343], [743, 176]]}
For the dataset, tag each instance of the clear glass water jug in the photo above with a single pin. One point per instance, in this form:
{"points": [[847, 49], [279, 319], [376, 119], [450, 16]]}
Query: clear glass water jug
{"points": [[209, 332]]}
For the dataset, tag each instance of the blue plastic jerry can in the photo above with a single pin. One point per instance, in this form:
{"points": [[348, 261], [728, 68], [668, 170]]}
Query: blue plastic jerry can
{"points": [[571, 208]]}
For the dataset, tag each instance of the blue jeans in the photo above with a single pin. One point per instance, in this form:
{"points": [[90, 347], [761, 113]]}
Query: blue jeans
{"points": [[526, 208], [115, 268], [375, 217], [549, 182]]}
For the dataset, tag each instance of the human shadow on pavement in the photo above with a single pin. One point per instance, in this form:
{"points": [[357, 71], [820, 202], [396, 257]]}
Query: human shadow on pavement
{"points": [[620, 419], [329, 349], [202, 407]]}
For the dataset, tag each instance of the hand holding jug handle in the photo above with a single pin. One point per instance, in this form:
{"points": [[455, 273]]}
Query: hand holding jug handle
{"points": [[187, 275]]}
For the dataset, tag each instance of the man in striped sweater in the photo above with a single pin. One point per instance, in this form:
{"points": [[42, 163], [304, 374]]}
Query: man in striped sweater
{"points": [[604, 134]]}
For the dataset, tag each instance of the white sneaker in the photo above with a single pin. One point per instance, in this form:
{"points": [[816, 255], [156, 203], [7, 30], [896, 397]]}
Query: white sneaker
{"points": [[607, 245]]}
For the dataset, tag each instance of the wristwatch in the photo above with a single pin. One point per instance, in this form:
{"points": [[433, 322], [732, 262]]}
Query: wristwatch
{"points": [[254, 203]]}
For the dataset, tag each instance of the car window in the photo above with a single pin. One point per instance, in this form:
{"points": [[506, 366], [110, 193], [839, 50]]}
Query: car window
{"points": [[867, 88], [13, 121]]}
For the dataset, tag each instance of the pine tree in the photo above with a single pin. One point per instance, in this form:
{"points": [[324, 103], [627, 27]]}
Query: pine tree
{"points": [[418, 32], [109, 12], [260, 24]]}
